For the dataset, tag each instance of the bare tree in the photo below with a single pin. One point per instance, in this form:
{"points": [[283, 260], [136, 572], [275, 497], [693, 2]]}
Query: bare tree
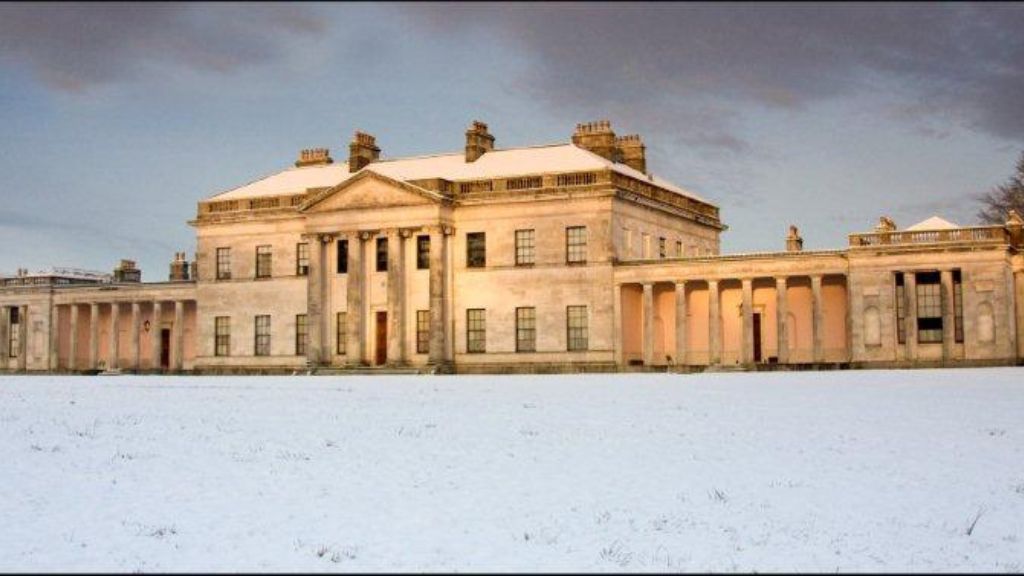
{"points": [[997, 203]]}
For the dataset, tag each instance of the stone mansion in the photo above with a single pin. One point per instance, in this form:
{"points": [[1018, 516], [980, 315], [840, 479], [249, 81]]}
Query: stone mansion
{"points": [[562, 257]]}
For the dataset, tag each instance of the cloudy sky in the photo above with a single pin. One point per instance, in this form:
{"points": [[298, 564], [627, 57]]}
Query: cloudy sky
{"points": [[117, 119]]}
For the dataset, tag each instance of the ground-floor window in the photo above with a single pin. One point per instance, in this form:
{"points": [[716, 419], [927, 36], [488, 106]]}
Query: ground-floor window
{"points": [[958, 307], [422, 331], [339, 333], [262, 344], [476, 330], [301, 334], [576, 326], [13, 340], [526, 329], [222, 336], [929, 307], [901, 310]]}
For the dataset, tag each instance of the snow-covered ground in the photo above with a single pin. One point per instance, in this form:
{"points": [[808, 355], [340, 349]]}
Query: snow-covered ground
{"points": [[849, 471]]}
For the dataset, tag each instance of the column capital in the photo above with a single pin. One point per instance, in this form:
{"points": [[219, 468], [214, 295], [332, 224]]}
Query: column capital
{"points": [[681, 283], [365, 235], [448, 230], [781, 280]]}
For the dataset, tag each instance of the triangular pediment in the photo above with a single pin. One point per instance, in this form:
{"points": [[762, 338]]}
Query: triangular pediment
{"points": [[370, 190]]}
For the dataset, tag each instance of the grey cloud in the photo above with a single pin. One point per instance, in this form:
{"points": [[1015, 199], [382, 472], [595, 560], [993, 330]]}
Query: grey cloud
{"points": [[965, 59], [73, 46]]}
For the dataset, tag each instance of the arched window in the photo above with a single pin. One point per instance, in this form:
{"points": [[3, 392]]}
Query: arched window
{"points": [[872, 327]]}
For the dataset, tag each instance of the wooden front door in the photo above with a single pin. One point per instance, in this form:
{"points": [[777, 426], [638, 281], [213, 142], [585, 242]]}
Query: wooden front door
{"points": [[757, 337], [382, 338], [165, 349]]}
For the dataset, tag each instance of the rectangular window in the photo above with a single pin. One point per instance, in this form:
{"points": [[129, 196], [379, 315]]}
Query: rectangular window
{"points": [[423, 252], [263, 262], [901, 310], [929, 307], [476, 330], [382, 254], [628, 243], [476, 250], [222, 336], [525, 247], [422, 331], [342, 256], [576, 245], [679, 248], [526, 329], [958, 307], [646, 246], [262, 345], [662, 248], [339, 333], [14, 336], [576, 325], [223, 263], [301, 334], [302, 259]]}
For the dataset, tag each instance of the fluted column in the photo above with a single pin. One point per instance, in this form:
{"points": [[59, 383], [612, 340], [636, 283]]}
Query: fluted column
{"points": [[73, 353], [948, 320], [681, 326], [154, 331], [910, 289], [114, 361], [134, 337], [5, 336], [22, 337], [396, 298], [817, 320], [714, 324], [179, 335], [355, 344], [781, 316], [437, 326], [748, 321], [648, 304], [94, 335]]}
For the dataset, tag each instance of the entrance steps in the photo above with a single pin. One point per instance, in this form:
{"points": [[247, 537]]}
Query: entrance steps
{"points": [[369, 370]]}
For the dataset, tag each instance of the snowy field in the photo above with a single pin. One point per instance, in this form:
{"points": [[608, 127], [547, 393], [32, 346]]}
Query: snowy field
{"points": [[852, 471]]}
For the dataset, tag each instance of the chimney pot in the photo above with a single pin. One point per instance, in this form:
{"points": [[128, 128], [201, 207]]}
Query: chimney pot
{"points": [[362, 151], [478, 141]]}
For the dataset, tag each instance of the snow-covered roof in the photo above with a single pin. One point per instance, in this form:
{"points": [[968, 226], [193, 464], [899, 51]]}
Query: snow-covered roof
{"points": [[933, 223], [493, 164]]}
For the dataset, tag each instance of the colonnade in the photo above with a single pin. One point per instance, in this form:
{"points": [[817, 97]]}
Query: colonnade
{"points": [[683, 353]]}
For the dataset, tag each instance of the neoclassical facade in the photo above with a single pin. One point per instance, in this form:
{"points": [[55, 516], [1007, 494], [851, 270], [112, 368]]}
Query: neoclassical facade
{"points": [[563, 257]]}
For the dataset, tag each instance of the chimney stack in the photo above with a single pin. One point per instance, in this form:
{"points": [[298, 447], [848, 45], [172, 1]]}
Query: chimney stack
{"points": [[794, 242], [314, 157], [362, 151], [478, 141], [179, 268], [631, 150], [598, 138], [127, 272]]}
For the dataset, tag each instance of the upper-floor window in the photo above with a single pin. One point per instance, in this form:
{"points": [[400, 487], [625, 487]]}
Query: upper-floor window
{"points": [[524, 247], [262, 344], [382, 254], [662, 248], [476, 250], [302, 259], [576, 245], [423, 252], [679, 247], [342, 256], [646, 246], [263, 261], [958, 307], [901, 310], [223, 263]]}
